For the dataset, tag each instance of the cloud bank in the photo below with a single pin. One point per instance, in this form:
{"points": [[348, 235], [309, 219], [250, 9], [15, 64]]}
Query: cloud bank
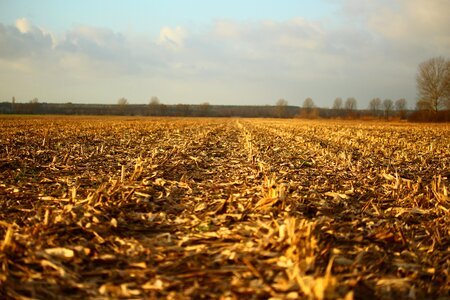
{"points": [[371, 49]]}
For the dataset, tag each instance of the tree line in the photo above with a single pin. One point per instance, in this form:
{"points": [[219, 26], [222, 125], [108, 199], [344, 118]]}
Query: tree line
{"points": [[280, 110], [433, 104]]}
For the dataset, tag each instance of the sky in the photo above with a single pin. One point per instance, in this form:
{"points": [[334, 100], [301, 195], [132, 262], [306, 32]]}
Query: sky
{"points": [[221, 52]]}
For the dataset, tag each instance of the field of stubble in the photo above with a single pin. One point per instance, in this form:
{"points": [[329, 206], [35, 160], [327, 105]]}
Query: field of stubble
{"points": [[223, 208]]}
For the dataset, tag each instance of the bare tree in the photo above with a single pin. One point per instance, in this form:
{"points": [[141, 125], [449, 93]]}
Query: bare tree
{"points": [[154, 106], [375, 105], [309, 109], [34, 104], [350, 104], [281, 106], [281, 102], [400, 106], [154, 101], [422, 104], [433, 84], [122, 101], [337, 107], [337, 104], [204, 108], [388, 104], [308, 104]]}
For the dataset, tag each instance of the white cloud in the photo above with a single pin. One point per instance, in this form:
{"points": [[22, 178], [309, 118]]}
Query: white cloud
{"points": [[413, 26], [172, 38], [96, 42], [24, 41], [410, 19], [372, 49], [226, 29], [23, 25]]}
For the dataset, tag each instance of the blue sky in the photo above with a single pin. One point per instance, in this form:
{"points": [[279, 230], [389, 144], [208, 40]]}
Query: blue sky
{"points": [[223, 52], [151, 15]]}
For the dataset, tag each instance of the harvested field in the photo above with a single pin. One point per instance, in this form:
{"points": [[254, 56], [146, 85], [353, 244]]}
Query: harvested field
{"points": [[223, 208]]}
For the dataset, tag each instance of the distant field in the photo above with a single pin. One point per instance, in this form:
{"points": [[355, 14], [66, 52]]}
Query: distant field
{"points": [[223, 208]]}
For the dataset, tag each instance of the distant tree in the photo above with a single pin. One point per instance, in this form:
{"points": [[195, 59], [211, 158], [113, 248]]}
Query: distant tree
{"points": [[374, 106], [433, 84], [423, 104], [154, 106], [13, 104], [282, 102], [34, 104], [281, 106], [122, 101], [350, 104], [337, 104], [154, 101], [309, 109], [308, 104], [400, 106], [388, 105], [204, 108]]}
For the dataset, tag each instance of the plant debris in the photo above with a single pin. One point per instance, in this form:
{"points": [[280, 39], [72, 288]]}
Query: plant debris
{"points": [[179, 208]]}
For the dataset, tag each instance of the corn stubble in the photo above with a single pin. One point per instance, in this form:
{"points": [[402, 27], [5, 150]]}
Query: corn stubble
{"points": [[223, 208]]}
